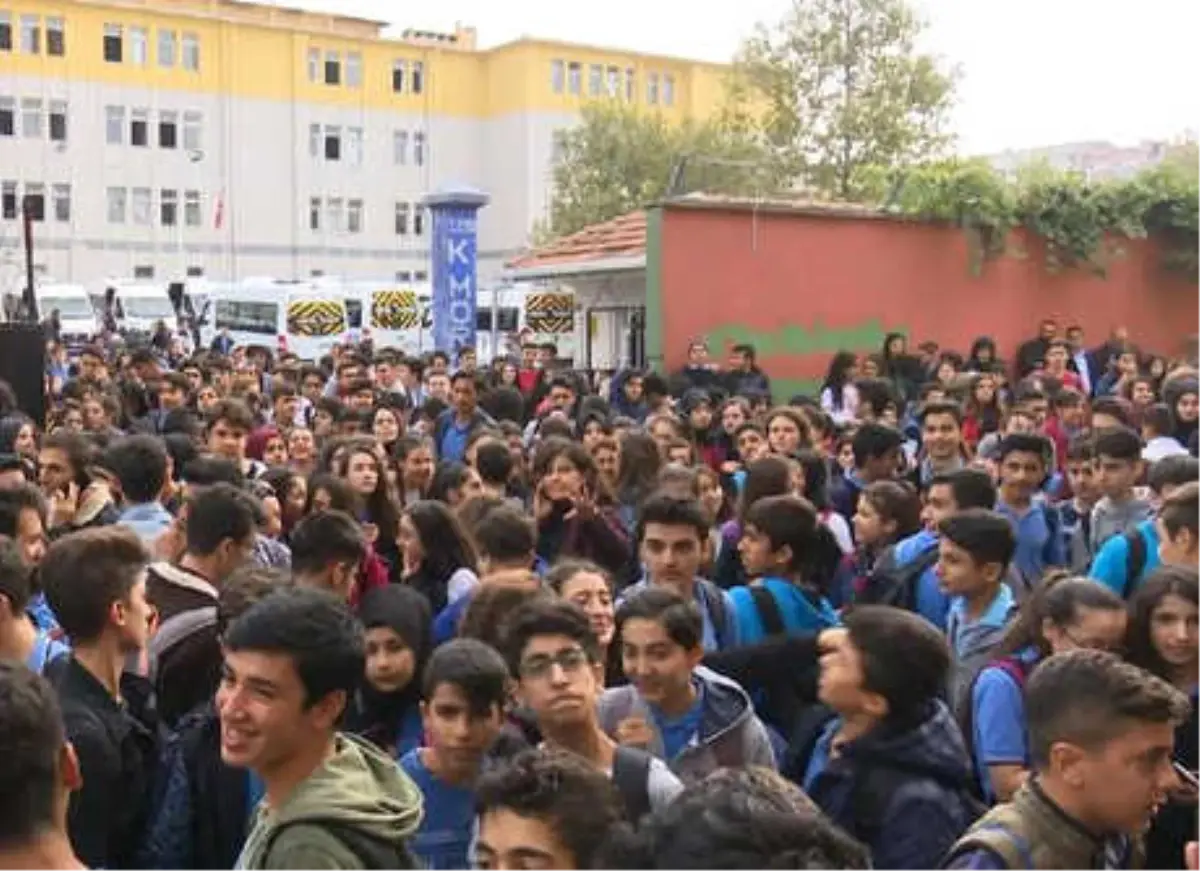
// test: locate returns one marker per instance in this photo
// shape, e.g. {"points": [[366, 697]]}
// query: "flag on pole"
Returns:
{"points": [[219, 211]]}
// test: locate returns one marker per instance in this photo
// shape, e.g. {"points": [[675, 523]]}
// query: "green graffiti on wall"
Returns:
{"points": [[797, 340]]}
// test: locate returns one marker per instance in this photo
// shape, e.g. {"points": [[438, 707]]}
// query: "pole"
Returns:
{"points": [[31, 306]]}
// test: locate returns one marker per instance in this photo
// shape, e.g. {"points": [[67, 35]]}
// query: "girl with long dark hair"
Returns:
{"points": [[439, 559], [839, 398]]}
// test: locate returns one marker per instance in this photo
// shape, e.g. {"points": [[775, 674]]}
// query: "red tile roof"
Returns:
{"points": [[621, 237]]}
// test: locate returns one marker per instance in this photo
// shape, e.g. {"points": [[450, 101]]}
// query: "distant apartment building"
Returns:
{"points": [[159, 138], [1095, 160]]}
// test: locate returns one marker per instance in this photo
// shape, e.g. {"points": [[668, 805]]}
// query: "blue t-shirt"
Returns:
{"points": [[443, 839], [819, 757], [931, 602], [45, 651], [1111, 565], [1040, 543], [998, 721], [454, 442], [256, 791], [801, 613], [677, 732], [411, 733]]}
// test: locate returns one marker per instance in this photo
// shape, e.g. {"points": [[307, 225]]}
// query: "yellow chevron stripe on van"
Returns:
{"points": [[315, 317]]}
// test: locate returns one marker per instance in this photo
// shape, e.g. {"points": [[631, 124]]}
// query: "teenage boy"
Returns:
{"points": [[1178, 519], [77, 500], [1024, 464], [20, 639], [1119, 468], [327, 549], [1101, 741], [139, 464], [876, 458], [454, 426], [465, 688], [38, 773], [330, 800], [1076, 512], [1157, 429], [95, 580], [889, 765], [544, 809], [229, 424], [974, 550], [941, 442], [23, 522], [555, 655], [672, 541], [689, 716]]}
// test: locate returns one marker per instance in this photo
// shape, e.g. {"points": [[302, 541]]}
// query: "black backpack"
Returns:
{"points": [[631, 777], [896, 585], [375, 854], [1135, 559]]}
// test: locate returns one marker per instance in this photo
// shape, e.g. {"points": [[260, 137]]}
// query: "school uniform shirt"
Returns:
{"points": [[998, 721], [972, 641], [801, 612], [1160, 447], [1037, 547], [931, 602], [1111, 565], [443, 840]]}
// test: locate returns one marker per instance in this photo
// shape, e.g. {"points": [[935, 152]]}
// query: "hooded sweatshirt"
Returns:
{"points": [[392, 721], [728, 734], [359, 788]]}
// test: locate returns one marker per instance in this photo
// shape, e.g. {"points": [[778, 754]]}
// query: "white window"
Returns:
{"points": [[614, 81], [166, 48], [314, 213], [168, 129], [557, 76], [333, 142], [400, 147], [314, 140], [418, 220], [402, 212], [168, 207], [193, 131], [31, 118], [333, 68], [6, 33], [419, 149], [314, 64], [668, 92], [139, 46], [418, 77], [61, 195], [652, 89], [399, 74], [595, 79], [116, 205], [114, 125], [630, 84], [191, 52], [353, 69], [140, 203], [35, 199], [139, 127], [191, 208], [31, 34], [8, 116], [354, 146], [354, 216], [574, 77], [335, 212], [58, 120], [112, 43], [56, 37]]}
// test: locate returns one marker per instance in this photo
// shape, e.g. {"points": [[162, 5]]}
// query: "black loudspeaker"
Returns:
{"points": [[23, 366]]}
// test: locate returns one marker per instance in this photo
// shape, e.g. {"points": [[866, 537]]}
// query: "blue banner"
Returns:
{"points": [[455, 240]]}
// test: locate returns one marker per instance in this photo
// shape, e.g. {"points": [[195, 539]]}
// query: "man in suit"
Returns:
{"points": [[1083, 361]]}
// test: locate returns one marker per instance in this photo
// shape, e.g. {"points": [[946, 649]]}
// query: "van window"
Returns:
{"points": [[507, 319], [247, 317]]}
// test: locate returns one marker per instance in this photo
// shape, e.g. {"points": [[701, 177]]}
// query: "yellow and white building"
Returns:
{"points": [[229, 139]]}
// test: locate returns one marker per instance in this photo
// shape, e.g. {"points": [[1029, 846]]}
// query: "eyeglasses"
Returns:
{"points": [[1093, 644], [569, 659]]}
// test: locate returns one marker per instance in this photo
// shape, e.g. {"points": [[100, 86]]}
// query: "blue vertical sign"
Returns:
{"points": [[454, 214]]}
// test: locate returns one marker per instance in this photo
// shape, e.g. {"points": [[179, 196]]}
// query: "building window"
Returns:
{"points": [[400, 147], [8, 200], [630, 84], [652, 89], [402, 212], [114, 125], [314, 141], [143, 272], [314, 213], [8, 116], [420, 275], [112, 43], [403, 275], [61, 194], [56, 37], [399, 74], [168, 207], [166, 48], [140, 206], [354, 146], [139, 127], [595, 79], [557, 76], [139, 46], [668, 90], [335, 213], [333, 68], [193, 127], [419, 149], [418, 221], [191, 52], [58, 120], [31, 118], [191, 208], [116, 205], [35, 200], [418, 76], [5, 31], [31, 34], [353, 69], [195, 272], [574, 77], [614, 81], [168, 129], [314, 64], [354, 216], [333, 143]]}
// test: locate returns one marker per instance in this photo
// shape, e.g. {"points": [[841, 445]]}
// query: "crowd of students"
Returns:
{"points": [[378, 612]]}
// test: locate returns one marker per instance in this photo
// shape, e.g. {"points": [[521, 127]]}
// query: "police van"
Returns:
{"points": [[301, 317]]}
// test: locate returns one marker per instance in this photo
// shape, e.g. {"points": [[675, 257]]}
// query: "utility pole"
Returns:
{"points": [[31, 306]]}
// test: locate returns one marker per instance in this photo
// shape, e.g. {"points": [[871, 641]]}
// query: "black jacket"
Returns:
{"points": [[117, 747], [188, 672]]}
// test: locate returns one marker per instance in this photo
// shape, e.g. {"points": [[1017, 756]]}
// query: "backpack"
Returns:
{"points": [[896, 585], [1135, 559], [718, 610], [1017, 669], [631, 777], [372, 852], [768, 611], [174, 631]]}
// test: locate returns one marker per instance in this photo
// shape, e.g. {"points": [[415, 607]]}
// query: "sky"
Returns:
{"points": [[1033, 72]]}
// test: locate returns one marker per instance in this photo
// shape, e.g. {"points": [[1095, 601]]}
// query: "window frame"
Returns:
{"points": [[141, 205], [31, 45], [168, 120], [168, 39], [192, 216], [116, 201], [60, 193], [139, 46], [354, 69], [35, 108], [332, 68], [168, 199], [189, 51], [10, 110], [139, 115], [56, 36], [58, 130]]}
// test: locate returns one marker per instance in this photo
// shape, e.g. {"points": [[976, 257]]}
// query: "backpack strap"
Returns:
{"points": [[805, 732], [1054, 529], [175, 630], [714, 603], [1135, 559], [768, 610], [631, 777], [1013, 849]]}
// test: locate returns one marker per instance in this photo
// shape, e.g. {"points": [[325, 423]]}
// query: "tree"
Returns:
{"points": [[620, 158], [840, 86]]}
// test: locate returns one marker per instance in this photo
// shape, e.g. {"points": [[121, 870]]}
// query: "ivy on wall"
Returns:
{"points": [[1081, 223]]}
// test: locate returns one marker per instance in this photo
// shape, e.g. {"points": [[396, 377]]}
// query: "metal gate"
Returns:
{"points": [[615, 337]]}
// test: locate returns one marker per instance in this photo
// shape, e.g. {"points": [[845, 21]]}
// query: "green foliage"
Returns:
{"points": [[1080, 223]]}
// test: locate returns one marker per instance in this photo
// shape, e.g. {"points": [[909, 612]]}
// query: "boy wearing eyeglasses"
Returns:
{"points": [[555, 655]]}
